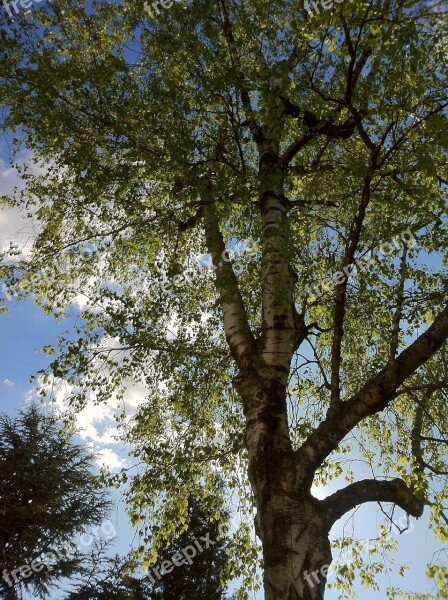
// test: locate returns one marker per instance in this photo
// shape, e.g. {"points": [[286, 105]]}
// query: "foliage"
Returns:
{"points": [[202, 578], [146, 130], [48, 494], [108, 578]]}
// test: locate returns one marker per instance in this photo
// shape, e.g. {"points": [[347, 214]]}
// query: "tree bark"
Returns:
{"points": [[290, 523], [296, 548], [296, 551]]}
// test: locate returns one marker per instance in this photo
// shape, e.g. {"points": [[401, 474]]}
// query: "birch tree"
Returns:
{"points": [[246, 202]]}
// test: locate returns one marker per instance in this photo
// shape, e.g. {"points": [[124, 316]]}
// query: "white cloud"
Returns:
{"points": [[16, 230], [172, 329], [133, 397], [8, 383], [16, 226], [80, 302], [110, 459], [96, 423]]}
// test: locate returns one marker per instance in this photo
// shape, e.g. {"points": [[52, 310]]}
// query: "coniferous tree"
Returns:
{"points": [[198, 576], [106, 578], [48, 494]]}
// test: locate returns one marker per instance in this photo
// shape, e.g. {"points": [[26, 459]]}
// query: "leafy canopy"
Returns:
{"points": [[137, 124]]}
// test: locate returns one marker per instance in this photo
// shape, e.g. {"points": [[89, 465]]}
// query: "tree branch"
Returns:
{"points": [[323, 126], [341, 292], [416, 440], [373, 397], [236, 62], [416, 437], [236, 326], [295, 147], [371, 490], [394, 341]]}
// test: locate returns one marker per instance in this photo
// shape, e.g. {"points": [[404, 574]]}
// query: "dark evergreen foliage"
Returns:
{"points": [[48, 494]]}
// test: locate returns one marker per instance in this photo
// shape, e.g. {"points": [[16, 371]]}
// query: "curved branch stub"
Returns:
{"points": [[371, 490]]}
